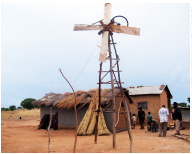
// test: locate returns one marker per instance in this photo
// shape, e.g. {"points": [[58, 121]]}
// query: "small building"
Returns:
{"points": [[151, 99], [64, 105], [185, 111]]}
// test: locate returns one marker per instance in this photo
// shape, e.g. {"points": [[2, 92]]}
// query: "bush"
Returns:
{"points": [[12, 107], [5, 109]]}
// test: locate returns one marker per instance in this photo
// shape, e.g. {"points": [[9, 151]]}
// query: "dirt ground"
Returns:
{"points": [[23, 137]]}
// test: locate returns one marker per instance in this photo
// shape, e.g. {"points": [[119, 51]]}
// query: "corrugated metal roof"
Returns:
{"points": [[141, 90]]}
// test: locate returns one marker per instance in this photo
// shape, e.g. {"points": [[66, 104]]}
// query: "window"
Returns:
{"points": [[143, 105]]}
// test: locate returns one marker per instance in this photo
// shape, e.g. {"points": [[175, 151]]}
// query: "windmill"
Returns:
{"points": [[106, 28]]}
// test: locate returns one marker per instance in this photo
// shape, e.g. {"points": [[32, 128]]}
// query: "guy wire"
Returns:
{"points": [[86, 63]]}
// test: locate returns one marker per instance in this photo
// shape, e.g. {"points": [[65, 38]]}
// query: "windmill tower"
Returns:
{"points": [[107, 27]]}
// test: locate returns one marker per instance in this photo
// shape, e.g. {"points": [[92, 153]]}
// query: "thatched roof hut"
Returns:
{"points": [[67, 100], [64, 105]]}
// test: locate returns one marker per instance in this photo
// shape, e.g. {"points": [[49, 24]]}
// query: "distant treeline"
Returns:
{"points": [[26, 104]]}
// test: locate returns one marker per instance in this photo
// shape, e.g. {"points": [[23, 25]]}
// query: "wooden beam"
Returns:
{"points": [[87, 27], [125, 29], [107, 14], [104, 47], [104, 42]]}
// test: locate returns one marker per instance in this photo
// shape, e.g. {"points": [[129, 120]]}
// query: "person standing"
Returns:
{"points": [[177, 116], [163, 116], [149, 120], [134, 121], [141, 116]]}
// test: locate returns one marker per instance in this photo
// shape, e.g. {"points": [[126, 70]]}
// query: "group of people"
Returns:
{"points": [[163, 116]]}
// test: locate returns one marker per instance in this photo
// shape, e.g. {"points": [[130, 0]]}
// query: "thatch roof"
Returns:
{"points": [[67, 100]]}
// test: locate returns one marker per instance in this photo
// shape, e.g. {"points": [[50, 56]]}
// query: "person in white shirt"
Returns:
{"points": [[163, 116]]}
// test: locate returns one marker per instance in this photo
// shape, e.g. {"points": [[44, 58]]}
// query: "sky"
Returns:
{"points": [[38, 38]]}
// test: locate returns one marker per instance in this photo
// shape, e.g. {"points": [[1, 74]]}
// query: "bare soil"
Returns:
{"points": [[24, 137]]}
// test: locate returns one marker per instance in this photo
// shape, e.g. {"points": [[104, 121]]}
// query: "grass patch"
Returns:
{"points": [[33, 114]]}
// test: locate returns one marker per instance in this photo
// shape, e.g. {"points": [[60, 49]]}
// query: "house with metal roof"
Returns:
{"points": [[151, 99], [185, 111]]}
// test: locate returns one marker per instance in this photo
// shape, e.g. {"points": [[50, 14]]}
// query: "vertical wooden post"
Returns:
{"points": [[75, 108], [129, 122], [97, 117], [49, 138], [113, 95]]}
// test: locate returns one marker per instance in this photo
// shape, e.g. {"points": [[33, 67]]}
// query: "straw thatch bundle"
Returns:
{"points": [[102, 127], [87, 125], [86, 119], [93, 119]]}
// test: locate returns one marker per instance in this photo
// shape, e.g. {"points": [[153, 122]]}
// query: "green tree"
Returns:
{"points": [[2, 109], [188, 99], [12, 107], [183, 104], [5, 109], [27, 103]]}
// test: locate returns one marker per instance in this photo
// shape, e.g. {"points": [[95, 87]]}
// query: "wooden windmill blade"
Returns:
{"points": [[87, 27], [105, 35], [114, 28], [125, 29]]}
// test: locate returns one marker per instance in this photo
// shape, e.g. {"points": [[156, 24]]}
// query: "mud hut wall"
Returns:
{"points": [[122, 121], [122, 125], [109, 119], [153, 105], [163, 99], [66, 117]]}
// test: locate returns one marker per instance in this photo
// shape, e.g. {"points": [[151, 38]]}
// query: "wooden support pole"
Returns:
{"points": [[75, 108], [99, 106], [129, 128], [113, 95], [182, 137], [49, 138]]}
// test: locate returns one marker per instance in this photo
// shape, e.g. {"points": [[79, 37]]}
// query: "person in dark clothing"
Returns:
{"points": [[177, 116], [141, 116], [155, 126]]}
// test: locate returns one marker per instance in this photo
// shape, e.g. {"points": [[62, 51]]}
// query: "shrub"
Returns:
{"points": [[12, 107]]}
